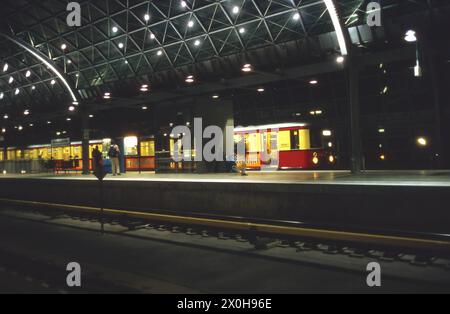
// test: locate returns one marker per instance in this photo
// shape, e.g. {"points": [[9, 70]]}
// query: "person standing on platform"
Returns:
{"points": [[97, 159], [114, 154]]}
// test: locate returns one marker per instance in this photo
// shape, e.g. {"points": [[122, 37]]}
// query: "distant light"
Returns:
{"points": [[159, 53], [33, 87], [261, 90], [183, 4], [26, 112], [197, 42], [3, 130], [314, 82], [6, 117], [381, 131], [236, 10], [327, 133], [241, 30], [69, 61], [17, 92], [340, 59], [91, 116], [383, 157], [247, 68], [20, 128], [152, 36], [330, 145], [215, 96], [144, 108], [2, 95], [69, 119], [298, 114], [5, 67], [115, 29], [147, 17], [331, 159], [49, 122], [72, 108], [191, 24], [28, 74], [53, 82], [75, 103], [107, 95], [31, 125], [411, 36], [190, 79], [63, 47], [422, 141], [11, 80], [121, 45], [296, 16]]}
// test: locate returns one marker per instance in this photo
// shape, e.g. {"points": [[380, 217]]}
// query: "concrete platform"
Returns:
{"points": [[407, 200]]}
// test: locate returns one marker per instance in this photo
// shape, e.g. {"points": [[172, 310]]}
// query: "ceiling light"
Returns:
{"points": [[236, 10], [5, 67], [17, 92], [190, 79], [215, 96], [2, 95], [247, 68], [121, 45], [147, 17], [191, 24], [410, 36], [72, 108], [115, 29], [260, 90], [183, 4], [33, 87], [313, 82], [241, 30], [159, 53], [53, 82], [152, 36], [296, 16], [422, 141], [63, 47], [11, 79], [340, 59], [197, 43], [26, 112], [5, 117], [144, 108], [28, 74]]}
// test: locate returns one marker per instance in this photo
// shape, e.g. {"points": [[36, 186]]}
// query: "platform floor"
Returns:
{"points": [[375, 178]]}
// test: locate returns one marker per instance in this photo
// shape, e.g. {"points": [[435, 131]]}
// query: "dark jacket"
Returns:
{"points": [[113, 153]]}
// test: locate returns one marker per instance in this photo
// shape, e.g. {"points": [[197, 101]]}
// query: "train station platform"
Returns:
{"points": [[400, 200]]}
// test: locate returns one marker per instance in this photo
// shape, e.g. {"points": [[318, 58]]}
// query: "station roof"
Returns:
{"points": [[124, 44]]}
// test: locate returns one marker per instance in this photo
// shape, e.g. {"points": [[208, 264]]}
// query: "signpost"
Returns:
{"points": [[100, 173]]}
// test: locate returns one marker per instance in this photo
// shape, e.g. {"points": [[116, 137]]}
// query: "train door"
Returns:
{"points": [[269, 151]]}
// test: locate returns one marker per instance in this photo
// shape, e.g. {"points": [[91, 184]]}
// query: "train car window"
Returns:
{"points": [[285, 141], [316, 139]]}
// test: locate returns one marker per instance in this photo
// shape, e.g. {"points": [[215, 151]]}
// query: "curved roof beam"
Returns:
{"points": [[337, 26], [38, 55]]}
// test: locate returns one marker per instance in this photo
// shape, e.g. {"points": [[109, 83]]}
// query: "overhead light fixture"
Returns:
{"points": [[422, 141], [215, 96], [144, 108], [337, 26], [191, 24], [72, 108], [314, 82], [6, 117], [63, 47], [107, 96], [144, 88], [121, 45], [26, 112], [190, 79], [236, 10], [340, 59], [296, 16], [152, 36], [197, 43], [183, 4], [17, 92], [33, 87], [69, 119], [115, 29], [11, 80], [147, 17], [2, 95], [261, 90], [247, 68], [5, 67], [28, 74], [91, 116], [159, 53], [53, 82], [327, 133], [242, 30], [410, 36]]}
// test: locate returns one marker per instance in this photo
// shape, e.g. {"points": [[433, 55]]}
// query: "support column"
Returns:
{"points": [[85, 142], [215, 113], [355, 127]]}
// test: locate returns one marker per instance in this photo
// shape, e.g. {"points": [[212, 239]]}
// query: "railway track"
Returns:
{"points": [[421, 248]]}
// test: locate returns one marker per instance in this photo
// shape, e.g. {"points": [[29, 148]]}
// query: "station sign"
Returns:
{"points": [[61, 142]]}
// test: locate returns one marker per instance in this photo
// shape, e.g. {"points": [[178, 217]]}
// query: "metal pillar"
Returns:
{"points": [[355, 128], [85, 142]]}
